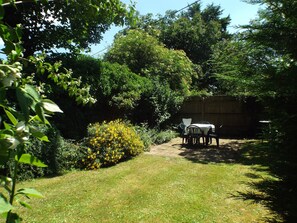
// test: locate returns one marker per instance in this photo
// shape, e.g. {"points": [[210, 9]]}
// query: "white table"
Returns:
{"points": [[204, 127]]}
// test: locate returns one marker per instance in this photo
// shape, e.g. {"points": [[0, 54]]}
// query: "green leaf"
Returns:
{"points": [[29, 192], [1, 10], [25, 102], [40, 112], [32, 92], [39, 135], [36, 118], [24, 204], [5, 206], [51, 106], [29, 159], [11, 117], [7, 126]]}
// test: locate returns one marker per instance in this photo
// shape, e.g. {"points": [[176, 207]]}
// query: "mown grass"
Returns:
{"points": [[152, 189]]}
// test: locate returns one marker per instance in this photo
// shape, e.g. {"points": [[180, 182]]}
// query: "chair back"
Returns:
{"points": [[187, 121], [216, 131], [182, 127], [194, 130]]}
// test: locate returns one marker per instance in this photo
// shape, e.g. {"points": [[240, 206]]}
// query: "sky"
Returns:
{"points": [[240, 12]]}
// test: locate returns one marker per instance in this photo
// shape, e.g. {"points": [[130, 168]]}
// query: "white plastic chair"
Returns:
{"points": [[185, 123]]}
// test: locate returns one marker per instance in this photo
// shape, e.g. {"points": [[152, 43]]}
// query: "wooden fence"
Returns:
{"points": [[239, 118]]}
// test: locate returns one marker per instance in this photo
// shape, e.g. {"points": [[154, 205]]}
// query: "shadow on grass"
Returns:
{"points": [[278, 194], [276, 191]]}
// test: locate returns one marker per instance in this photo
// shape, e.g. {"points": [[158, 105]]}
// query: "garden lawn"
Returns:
{"points": [[149, 188]]}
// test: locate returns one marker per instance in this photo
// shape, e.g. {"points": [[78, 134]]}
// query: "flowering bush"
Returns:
{"points": [[111, 143]]}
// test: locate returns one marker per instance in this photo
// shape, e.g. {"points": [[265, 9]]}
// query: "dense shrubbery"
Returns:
{"points": [[110, 143], [106, 145], [120, 94], [58, 154]]}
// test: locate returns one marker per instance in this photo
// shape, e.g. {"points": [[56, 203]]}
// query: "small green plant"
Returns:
{"points": [[165, 136], [110, 143], [146, 134]]}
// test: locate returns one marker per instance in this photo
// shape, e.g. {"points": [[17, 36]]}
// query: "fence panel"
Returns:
{"points": [[239, 118]]}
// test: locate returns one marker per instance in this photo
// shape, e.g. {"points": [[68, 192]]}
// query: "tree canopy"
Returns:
{"points": [[265, 52], [263, 62], [146, 56], [72, 25], [193, 31], [275, 26]]}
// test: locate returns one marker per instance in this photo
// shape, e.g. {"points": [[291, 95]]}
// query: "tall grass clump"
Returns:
{"points": [[112, 142]]}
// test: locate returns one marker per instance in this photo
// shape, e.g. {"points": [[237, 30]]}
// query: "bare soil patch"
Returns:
{"points": [[227, 152]]}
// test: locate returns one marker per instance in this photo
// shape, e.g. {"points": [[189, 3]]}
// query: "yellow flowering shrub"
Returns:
{"points": [[111, 143]]}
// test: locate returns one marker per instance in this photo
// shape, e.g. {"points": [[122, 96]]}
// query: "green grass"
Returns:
{"points": [[150, 189]]}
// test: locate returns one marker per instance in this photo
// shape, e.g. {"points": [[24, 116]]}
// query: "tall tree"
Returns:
{"points": [[276, 26], [169, 74], [268, 70], [276, 30], [195, 30], [72, 25], [146, 56]]}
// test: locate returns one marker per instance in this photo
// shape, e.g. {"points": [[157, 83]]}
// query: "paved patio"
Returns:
{"points": [[228, 152]]}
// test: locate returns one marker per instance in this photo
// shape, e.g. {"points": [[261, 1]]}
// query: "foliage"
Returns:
{"points": [[240, 69], [194, 31], [146, 134], [276, 21], [58, 154], [18, 126], [71, 25], [137, 50], [168, 74], [111, 143], [65, 82], [175, 68], [120, 93], [266, 64], [158, 104], [24, 108], [145, 56], [83, 67], [165, 136], [120, 87]]}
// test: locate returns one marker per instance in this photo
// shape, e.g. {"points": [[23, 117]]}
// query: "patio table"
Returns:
{"points": [[204, 127]]}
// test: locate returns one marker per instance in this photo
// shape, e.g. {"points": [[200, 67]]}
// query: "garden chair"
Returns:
{"points": [[195, 133], [213, 135], [183, 128]]}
